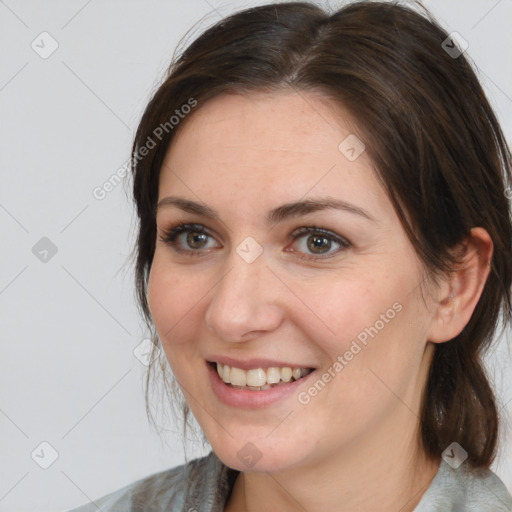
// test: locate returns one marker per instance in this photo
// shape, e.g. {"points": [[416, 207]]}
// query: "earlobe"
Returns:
{"points": [[459, 294]]}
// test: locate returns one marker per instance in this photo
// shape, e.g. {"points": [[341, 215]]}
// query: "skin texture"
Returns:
{"points": [[243, 156]]}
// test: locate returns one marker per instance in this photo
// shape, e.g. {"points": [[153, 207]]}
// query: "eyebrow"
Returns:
{"points": [[276, 215]]}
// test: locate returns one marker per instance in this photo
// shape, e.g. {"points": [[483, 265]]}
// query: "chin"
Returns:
{"points": [[259, 453]]}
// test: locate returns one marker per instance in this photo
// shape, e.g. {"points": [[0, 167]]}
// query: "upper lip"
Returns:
{"points": [[250, 364]]}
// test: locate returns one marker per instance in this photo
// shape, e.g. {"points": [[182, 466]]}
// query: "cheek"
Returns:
{"points": [[174, 300], [371, 329], [335, 309], [372, 318]]}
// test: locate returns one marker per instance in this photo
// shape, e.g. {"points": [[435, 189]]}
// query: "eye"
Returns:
{"points": [[314, 242], [187, 238], [318, 242]]}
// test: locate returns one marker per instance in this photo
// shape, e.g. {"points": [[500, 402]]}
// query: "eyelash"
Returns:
{"points": [[171, 234]]}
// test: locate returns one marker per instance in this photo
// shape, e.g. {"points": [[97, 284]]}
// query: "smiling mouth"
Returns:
{"points": [[258, 379]]}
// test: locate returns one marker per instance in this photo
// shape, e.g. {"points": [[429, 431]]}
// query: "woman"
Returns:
{"points": [[324, 252]]}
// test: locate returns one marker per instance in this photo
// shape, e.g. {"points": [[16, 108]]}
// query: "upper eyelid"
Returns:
{"points": [[183, 227], [304, 230], [190, 226]]}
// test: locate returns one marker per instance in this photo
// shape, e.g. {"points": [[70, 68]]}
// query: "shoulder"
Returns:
{"points": [[465, 488], [206, 479]]}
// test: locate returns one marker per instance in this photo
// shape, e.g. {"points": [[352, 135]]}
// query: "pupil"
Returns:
{"points": [[318, 241]]}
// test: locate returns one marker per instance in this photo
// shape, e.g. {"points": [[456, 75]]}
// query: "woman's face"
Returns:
{"points": [[268, 277]]}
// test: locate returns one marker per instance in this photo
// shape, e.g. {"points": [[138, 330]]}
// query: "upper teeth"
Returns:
{"points": [[258, 377]]}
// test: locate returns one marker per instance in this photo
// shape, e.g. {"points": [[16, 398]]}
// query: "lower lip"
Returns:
{"points": [[245, 399]]}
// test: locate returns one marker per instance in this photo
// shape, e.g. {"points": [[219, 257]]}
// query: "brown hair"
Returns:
{"points": [[428, 128]]}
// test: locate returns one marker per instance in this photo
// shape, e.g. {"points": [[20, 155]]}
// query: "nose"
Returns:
{"points": [[245, 302]]}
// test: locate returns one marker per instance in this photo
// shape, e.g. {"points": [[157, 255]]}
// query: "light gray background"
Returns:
{"points": [[68, 326]]}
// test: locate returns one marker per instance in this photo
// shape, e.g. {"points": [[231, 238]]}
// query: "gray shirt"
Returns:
{"points": [[203, 485]]}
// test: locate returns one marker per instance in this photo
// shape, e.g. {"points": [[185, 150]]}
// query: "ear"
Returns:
{"points": [[459, 294]]}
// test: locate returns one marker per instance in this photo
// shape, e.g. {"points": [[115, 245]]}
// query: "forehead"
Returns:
{"points": [[280, 121], [276, 146]]}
